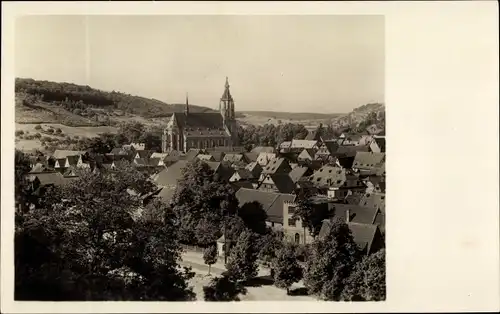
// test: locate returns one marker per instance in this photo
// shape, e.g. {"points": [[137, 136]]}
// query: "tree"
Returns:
{"points": [[242, 263], [332, 260], [210, 256], [253, 216], [304, 209], [223, 288], [367, 281], [269, 245], [22, 188], [90, 242], [286, 269], [38, 127]]}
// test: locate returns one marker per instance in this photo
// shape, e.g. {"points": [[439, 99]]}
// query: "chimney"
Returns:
{"points": [[347, 216]]}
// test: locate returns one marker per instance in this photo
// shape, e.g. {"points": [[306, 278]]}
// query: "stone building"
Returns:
{"points": [[202, 129]]}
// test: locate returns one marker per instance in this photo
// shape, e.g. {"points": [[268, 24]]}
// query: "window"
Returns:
{"points": [[291, 209], [291, 222], [297, 238]]}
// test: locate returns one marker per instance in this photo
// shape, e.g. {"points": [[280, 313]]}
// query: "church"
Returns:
{"points": [[186, 130]]}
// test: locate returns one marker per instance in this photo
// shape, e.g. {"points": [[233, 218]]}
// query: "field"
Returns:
{"points": [[309, 120], [80, 131]]}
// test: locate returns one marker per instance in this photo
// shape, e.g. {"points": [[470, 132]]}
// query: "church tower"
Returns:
{"points": [[226, 105], [226, 108]]}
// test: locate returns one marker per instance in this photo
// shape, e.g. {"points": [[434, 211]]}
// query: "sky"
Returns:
{"points": [[320, 63]]}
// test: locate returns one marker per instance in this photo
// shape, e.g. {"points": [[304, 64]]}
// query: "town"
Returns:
{"points": [[118, 221]]}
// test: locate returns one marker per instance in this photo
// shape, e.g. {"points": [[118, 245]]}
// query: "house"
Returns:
{"points": [[205, 157], [276, 165], [235, 159], [250, 157], [145, 154], [217, 155], [377, 145], [285, 146], [368, 160], [192, 153], [162, 156], [264, 158], [278, 182], [307, 155], [299, 145], [352, 139], [328, 179], [313, 135], [170, 176], [39, 180], [255, 168], [272, 203], [242, 175], [373, 200], [300, 173], [368, 237], [38, 168], [138, 146]]}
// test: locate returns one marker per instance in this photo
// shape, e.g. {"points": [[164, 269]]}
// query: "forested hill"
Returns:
{"points": [[82, 97]]}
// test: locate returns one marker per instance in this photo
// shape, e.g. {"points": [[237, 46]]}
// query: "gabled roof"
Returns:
{"points": [[170, 176], [328, 176], [251, 156], [241, 184], [274, 165], [251, 166], [307, 153], [159, 155], [263, 149], [217, 155], [166, 194], [264, 158], [357, 213], [73, 160], [199, 121], [381, 143], [233, 158], [297, 173], [283, 182], [144, 153], [303, 144], [49, 178], [40, 168], [312, 136], [244, 174], [205, 157], [59, 153], [368, 160], [192, 153], [373, 200], [272, 203]]}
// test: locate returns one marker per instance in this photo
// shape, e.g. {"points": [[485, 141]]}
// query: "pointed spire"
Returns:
{"points": [[187, 103], [227, 94]]}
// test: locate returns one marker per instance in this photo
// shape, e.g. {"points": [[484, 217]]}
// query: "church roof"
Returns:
{"points": [[202, 120]]}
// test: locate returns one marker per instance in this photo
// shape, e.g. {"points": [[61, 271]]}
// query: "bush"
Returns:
{"points": [[19, 132], [38, 127], [223, 289], [38, 135], [58, 131], [51, 131]]}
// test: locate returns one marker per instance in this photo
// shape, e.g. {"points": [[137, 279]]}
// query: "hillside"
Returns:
{"points": [[78, 98], [370, 117]]}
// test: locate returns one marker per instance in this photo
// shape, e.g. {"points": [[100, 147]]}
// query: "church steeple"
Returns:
{"points": [[226, 105], [187, 104]]}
